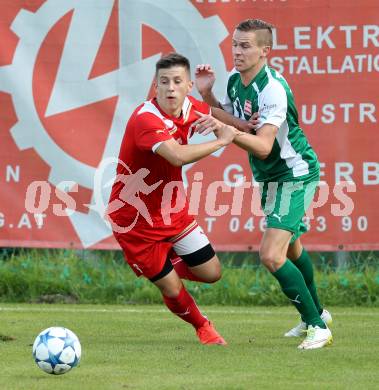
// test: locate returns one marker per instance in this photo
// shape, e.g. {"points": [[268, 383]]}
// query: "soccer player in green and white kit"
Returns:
{"points": [[282, 161]]}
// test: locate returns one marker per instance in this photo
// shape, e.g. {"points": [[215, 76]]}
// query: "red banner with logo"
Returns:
{"points": [[72, 72]]}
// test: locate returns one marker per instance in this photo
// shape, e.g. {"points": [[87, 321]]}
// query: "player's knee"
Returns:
{"points": [[214, 271], [214, 275], [170, 288], [171, 291], [269, 257]]}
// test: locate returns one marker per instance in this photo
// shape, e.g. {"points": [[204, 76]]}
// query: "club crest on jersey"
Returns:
{"points": [[247, 107], [170, 126]]}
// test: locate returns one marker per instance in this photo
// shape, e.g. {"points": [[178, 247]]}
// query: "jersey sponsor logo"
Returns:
{"points": [[266, 108]]}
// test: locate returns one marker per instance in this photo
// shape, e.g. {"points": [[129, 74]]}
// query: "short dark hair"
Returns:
{"points": [[264, 35], [172, 59]]}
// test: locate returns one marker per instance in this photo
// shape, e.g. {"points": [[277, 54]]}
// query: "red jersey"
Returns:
{"points": [[147, 185]]}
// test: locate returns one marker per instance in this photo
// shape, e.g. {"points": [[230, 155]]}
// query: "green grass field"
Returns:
{"points": [[146, 347]]}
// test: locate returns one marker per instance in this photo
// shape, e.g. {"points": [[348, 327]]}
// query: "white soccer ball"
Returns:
{"points": [[56, 350]]}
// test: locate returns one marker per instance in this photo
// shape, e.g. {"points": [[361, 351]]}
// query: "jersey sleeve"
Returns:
{"points": [[227, 103], [151, 132], [273, 105]]}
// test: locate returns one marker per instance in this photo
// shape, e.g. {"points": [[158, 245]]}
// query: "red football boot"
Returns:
{"points": [[207, 334]]}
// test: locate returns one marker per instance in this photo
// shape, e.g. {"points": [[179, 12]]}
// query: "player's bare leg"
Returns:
{"points": [[273, 248], [294, 250], [170, 285], [209, 272]]}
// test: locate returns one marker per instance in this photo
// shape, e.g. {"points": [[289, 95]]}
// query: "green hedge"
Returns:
{"points": [[102, 277]]}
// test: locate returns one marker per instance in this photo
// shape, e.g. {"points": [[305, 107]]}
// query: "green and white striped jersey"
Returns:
{"points": [[269, 94]]}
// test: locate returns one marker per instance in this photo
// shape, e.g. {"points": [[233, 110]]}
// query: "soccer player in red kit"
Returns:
{"points": [[148, 208]]}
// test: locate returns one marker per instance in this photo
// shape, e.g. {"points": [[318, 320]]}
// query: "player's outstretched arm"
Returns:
{"points": [[179, 155], [260, 145], [204, 81]]}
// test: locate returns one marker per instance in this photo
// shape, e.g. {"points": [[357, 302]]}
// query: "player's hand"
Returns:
{"points": [[250, 125], [254, 121], [226, 134], [204, 78], [206, 124]]}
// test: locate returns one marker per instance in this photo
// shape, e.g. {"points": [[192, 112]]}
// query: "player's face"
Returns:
{"points": [[172, 85], [247, 55]]}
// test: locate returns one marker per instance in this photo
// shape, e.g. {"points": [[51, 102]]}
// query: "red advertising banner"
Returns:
{"points": [[72, 72]]}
